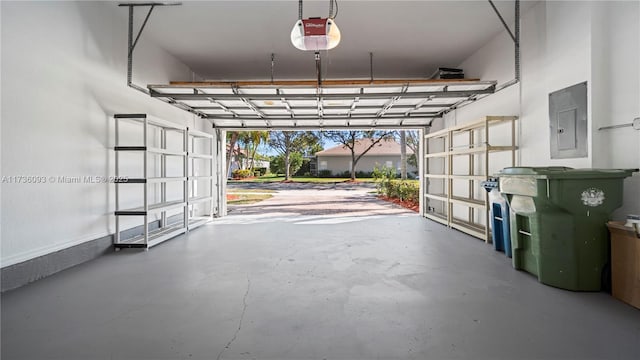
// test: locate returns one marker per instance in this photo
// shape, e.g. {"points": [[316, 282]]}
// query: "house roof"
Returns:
{"points": [[384, 147]]}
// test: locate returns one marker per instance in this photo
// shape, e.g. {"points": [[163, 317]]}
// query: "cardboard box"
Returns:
{"points": [[625, 263]]}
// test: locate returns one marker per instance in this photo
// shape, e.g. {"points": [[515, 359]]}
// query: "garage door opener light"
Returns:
{"points": [[315, 33]]}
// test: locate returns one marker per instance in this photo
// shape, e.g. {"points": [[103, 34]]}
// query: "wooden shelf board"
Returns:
{"points": [[436, 176], [438, 134], [479, 204], [471, 229], [439, 197], [501, 148], [437, 217], [440, 154], [482, 149], [468, 177], [487, 120], [325, 83], [477, 149]]}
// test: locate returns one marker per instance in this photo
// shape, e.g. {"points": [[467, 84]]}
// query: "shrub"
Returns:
{"points": [[324, 173], [295, 162], [404, 190], [241, 173], [387, 185], [382, 177], [276, 165], [262, 170], [364, 174], [304, 168]]}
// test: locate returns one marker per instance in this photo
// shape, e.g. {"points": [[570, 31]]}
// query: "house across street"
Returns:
{"points": [[337, 160]]}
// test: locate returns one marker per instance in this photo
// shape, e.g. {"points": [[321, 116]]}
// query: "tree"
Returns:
{"points": [[232, 138], [277, 165], [351, 139], [403, 155], [410, 139], [251, 141], [413, 142], [287, 142]]}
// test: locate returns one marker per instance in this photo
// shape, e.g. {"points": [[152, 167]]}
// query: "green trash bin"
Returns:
{"points": [[558, 222]]}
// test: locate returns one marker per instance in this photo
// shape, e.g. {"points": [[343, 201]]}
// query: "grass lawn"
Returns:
{"points": [[245, 191], [246, 197], [276, 178]]}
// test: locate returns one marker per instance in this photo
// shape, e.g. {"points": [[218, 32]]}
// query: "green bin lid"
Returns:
{"points": [[561, 172]]}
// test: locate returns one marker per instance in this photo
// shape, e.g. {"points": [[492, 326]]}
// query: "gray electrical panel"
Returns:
{"points": [[568, 122]]}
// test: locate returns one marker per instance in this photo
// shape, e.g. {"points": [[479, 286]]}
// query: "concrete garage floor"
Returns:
{"points": [[312, 287]]}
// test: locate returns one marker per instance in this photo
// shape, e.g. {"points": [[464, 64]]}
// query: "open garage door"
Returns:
{"points": [[300, 105]]}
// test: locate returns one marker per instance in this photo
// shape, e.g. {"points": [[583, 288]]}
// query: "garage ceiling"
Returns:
{"points": [[395, 45], [234, 40]]}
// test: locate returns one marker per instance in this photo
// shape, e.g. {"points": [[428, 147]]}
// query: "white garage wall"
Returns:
{"points": [[562, 44], [616, 93], [1, 173], [63, 76]]}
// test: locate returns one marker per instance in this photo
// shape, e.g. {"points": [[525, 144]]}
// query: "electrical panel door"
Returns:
{"points": [[568, 122]]}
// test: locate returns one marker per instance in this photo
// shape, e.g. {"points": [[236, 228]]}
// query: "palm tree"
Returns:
{"points": [[232, 137], [257, 138], [251, 141]]}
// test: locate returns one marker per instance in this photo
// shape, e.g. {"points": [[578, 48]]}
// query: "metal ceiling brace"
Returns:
{"points": [[371, 66], [319, 98], [515, 37], [318, 68], [273, 62], [132, 43]]}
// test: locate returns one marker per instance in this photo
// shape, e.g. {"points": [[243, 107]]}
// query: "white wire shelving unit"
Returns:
{"points": [[200, 174], [157, 225]]}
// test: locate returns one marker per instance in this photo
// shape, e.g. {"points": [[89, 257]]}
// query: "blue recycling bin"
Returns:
{"points": [[501, 233], [499, 217]]}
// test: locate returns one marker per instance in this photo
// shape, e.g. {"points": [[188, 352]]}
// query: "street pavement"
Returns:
{"points": [[312, 199]]}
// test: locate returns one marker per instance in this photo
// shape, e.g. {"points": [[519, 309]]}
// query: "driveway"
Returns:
{"points": [[334, 199]]}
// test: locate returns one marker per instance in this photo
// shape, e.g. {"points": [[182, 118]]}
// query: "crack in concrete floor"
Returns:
{"points": [[244, 310]]}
